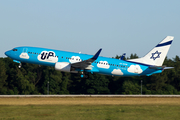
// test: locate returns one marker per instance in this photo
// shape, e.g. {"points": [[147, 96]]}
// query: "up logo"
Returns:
{"points": [[48, 56]]}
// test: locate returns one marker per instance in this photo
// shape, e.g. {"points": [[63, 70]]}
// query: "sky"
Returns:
{"points": [[116, 26]]}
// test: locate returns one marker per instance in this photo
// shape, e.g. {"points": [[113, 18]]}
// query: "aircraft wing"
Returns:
{"points": [[86, 64]]}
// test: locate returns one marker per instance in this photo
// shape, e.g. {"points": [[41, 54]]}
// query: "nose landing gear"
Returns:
{"points": [[18, 62], [20, 65]]}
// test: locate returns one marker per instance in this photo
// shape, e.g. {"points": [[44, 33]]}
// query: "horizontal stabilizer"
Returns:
{"points": [[160, 67], [157, 67], [168, 68]]}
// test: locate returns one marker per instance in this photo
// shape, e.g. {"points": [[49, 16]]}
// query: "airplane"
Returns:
{"points": [[72, 62]]}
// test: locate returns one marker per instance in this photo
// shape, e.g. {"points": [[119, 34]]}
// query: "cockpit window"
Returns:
{"points": [[14, 49]]}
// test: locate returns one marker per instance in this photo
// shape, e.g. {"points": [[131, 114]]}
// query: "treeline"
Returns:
{"points": [[35, 79]]}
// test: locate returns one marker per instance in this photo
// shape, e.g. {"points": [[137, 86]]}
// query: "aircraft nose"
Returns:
{"points": [[7, 53]]}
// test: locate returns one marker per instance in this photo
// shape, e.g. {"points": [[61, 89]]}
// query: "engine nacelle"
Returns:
{"points": [[63, 66]]}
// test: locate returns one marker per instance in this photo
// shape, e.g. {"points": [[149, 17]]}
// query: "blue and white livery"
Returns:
{"points": [[74, 62]]}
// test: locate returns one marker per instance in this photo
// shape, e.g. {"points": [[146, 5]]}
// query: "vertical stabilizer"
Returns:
{"points": [[157, 55]]}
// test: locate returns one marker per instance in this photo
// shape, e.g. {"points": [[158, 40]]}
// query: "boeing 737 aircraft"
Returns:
{"points": [[72, 62]]}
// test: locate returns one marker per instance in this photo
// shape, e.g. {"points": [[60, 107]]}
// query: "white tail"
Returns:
{"points": [[157, 55]]}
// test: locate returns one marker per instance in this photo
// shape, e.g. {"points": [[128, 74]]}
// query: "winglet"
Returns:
{"points": [[97, 54], [122, 57]]}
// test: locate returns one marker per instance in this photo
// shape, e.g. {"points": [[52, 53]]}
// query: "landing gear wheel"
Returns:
{"points": [[83, 75], [20, 65]]}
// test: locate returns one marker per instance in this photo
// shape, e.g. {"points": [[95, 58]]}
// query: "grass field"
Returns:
{"points": [[89, 108]]}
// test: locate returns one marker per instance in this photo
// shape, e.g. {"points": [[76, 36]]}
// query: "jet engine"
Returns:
{"points": [[65, 67]]}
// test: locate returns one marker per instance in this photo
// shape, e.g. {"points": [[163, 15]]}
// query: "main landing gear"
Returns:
{"points": [[83, 75]]}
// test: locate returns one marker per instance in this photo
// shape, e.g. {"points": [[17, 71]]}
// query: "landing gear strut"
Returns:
{"points": [[18, 62], [20, 65], [83, 75]]}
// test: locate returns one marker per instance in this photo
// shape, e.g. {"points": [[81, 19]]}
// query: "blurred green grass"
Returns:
{"points": [[89, 112]]}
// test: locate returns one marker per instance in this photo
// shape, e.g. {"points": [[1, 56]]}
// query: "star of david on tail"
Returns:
{"points": [[155, 55]]}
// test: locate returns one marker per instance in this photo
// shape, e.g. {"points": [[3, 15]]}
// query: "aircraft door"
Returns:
{"points": [[25, 50], [24, 54]]}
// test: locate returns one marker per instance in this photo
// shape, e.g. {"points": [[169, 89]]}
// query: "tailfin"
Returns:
{"points": [[157, 55]]}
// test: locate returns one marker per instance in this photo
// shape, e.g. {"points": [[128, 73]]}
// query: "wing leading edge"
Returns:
{"points": [[86, 64]]}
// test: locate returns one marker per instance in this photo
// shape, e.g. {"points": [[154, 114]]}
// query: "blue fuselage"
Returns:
{"points": [[102, 65]]}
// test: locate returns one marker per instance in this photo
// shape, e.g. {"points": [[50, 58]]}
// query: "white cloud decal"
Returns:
{"points": [[135, 69], [24, 55], [117, 72], [74, 59], [103, 64], [48, 57]]}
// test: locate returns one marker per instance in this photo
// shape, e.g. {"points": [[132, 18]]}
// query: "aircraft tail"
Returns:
{"points": [[157, 55]]}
